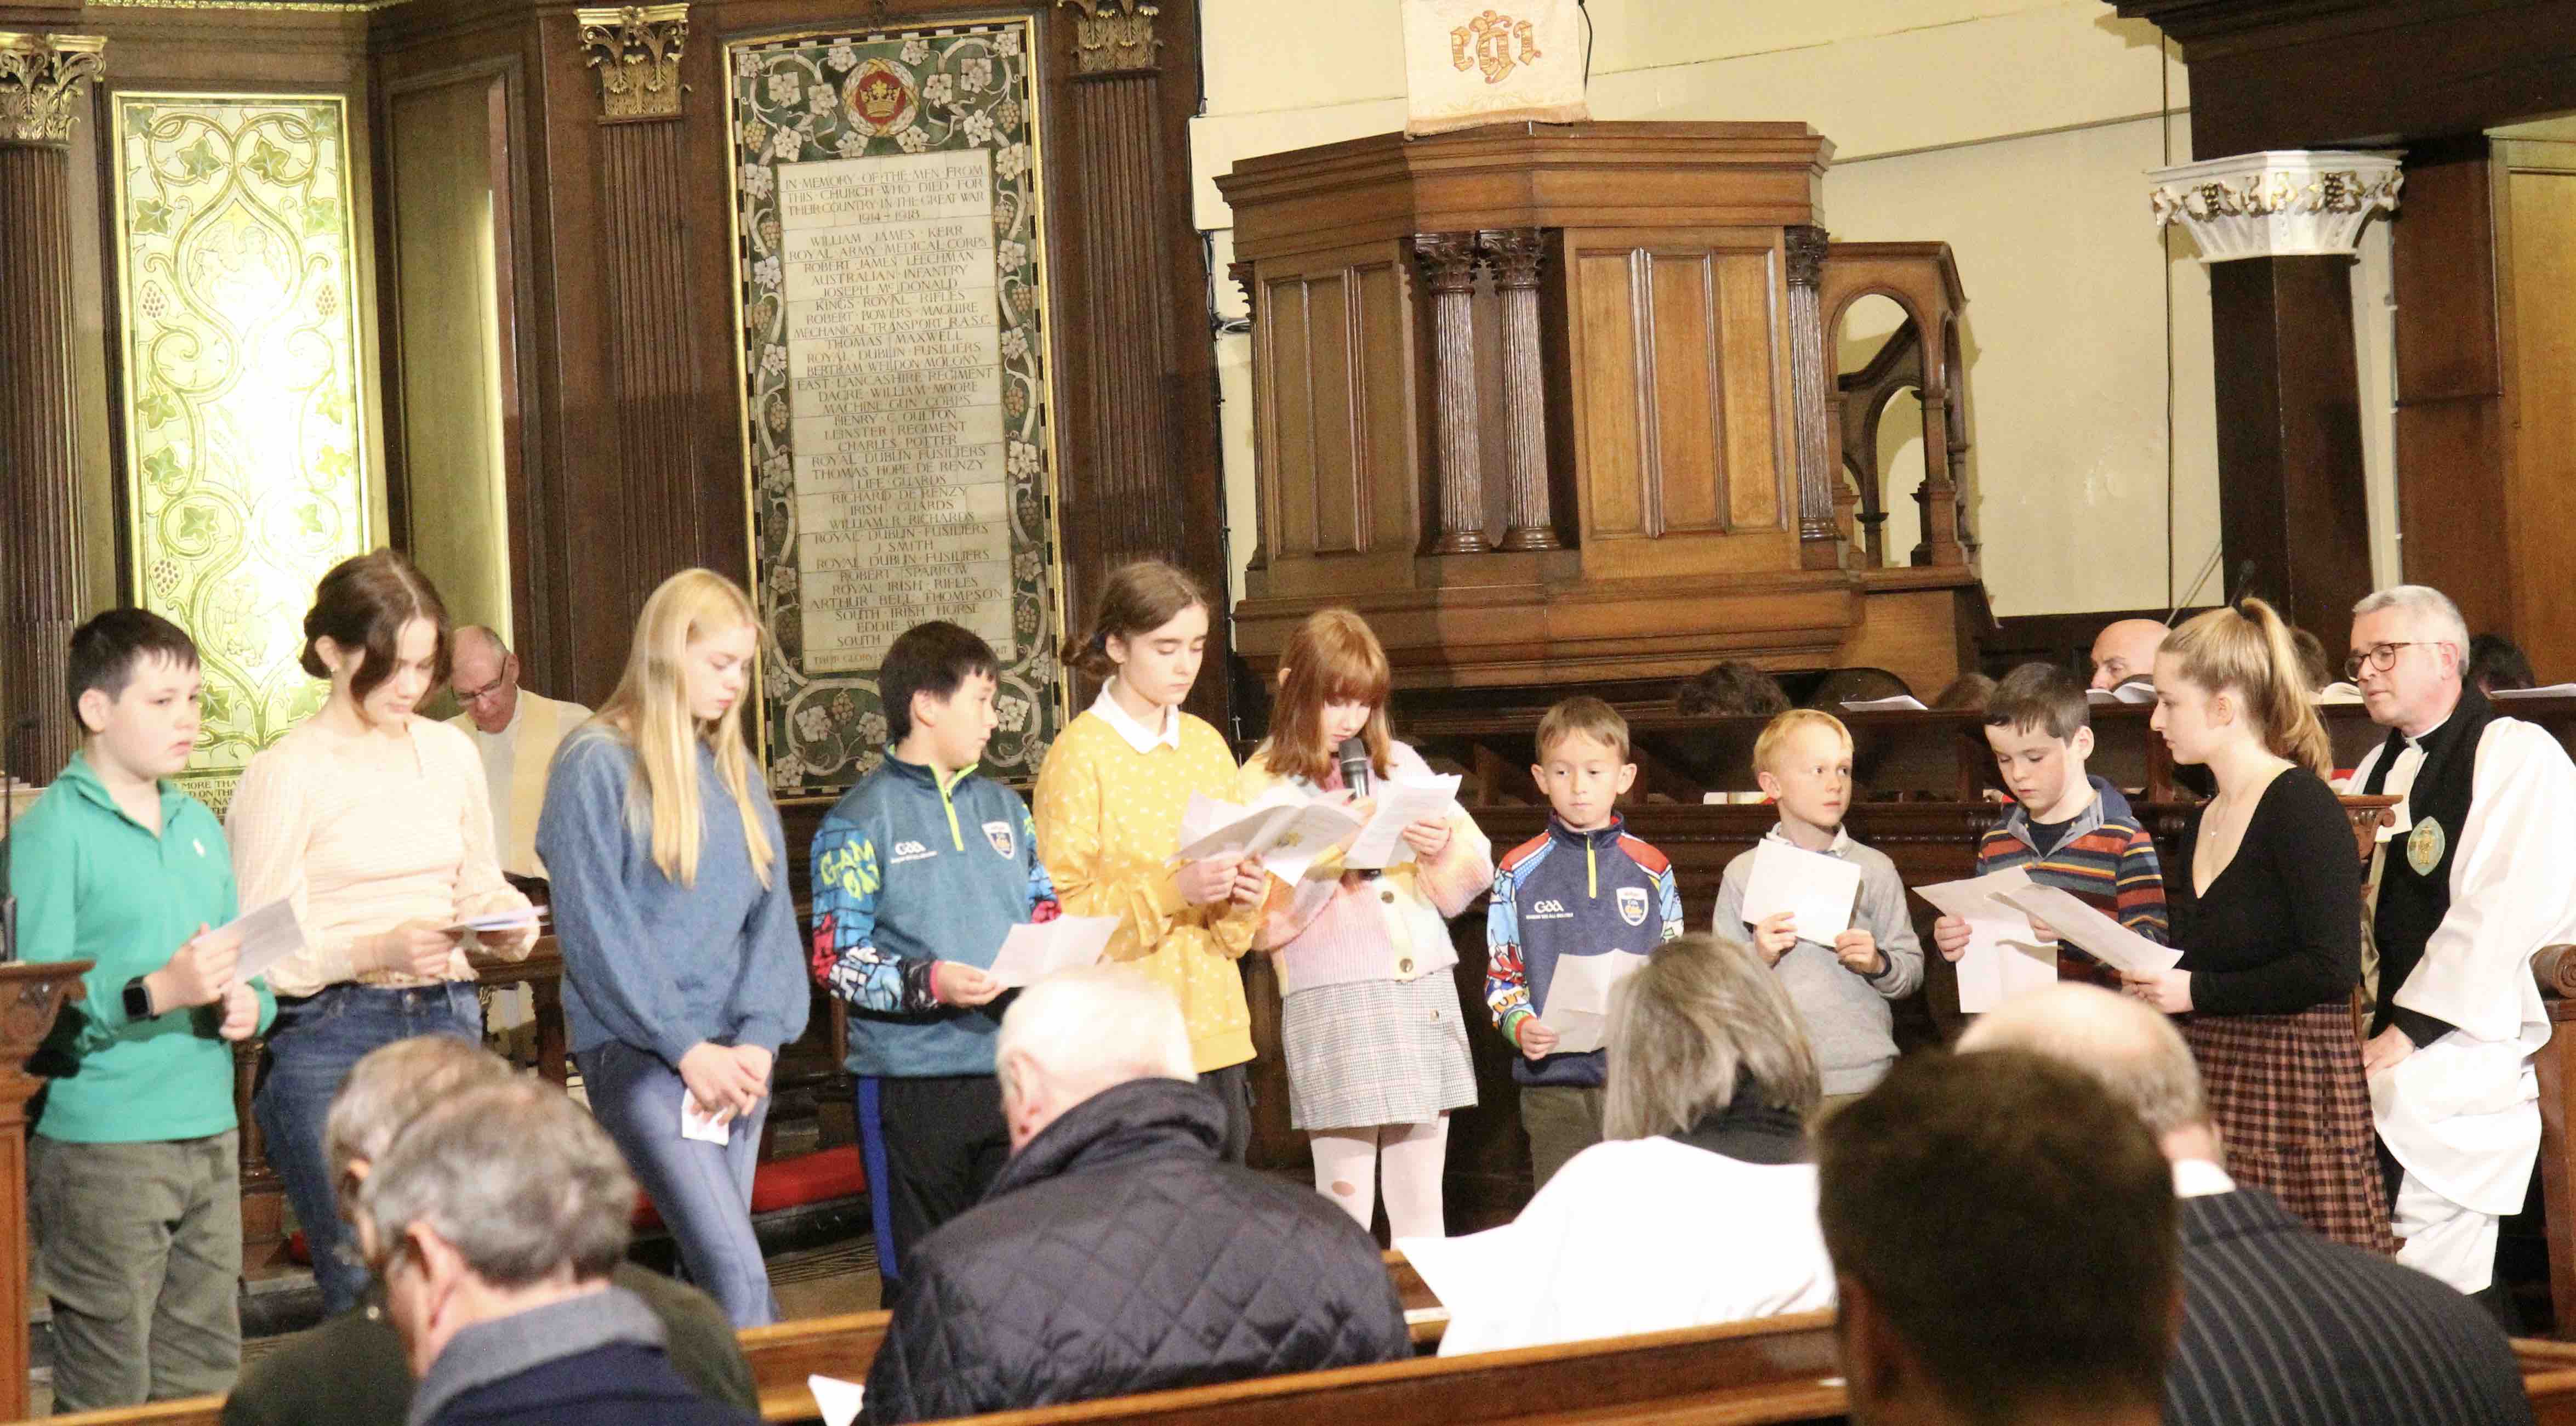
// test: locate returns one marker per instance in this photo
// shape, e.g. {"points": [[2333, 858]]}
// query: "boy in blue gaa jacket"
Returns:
{"points": [[1583, 888], [919, 874]]}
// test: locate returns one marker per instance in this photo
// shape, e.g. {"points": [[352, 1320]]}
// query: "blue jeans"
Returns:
{"points": [[702, 1190], [310, 1048]]}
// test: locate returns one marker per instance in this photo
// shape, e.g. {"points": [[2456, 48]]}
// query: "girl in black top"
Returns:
{"points": [[2265, 893]]}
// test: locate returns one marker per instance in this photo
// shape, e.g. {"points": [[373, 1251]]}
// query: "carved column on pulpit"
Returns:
{"points": [[1810, 379], [635, 51], [1448, 262], [1241, 274], [1515, 255], [43, 79]]}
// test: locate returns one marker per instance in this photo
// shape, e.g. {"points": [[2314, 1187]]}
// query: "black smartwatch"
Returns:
{"points": [[138, 1000]]}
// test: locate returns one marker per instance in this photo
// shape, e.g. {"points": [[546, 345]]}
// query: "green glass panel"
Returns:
{"points": [[246, 462]]}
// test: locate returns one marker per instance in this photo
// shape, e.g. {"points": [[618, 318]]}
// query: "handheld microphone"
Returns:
{"points": [[1354, 758]]}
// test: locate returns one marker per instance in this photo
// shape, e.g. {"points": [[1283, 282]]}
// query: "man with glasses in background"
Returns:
{"points": [[517, 732], [2476, 873]]}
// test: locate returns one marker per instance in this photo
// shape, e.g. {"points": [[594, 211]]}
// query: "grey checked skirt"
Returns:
{"points": [[1376, 1052]]}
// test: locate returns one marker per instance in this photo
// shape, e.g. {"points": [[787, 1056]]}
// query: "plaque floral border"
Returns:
{"points": [[790, 99], [243, 425]]}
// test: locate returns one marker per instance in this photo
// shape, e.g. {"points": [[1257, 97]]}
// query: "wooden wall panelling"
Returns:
{"points": [[1140, 474], [2450, 381], [2537, 257], [409, 110]]}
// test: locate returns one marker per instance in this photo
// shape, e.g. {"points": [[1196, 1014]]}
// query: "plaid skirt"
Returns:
{"points": [[2293, 1114], [1374, 1052]]}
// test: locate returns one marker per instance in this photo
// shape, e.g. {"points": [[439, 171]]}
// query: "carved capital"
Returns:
{"points": [[1515, 255], [2286, 203], [1448, 260], [1111, 36], [42, 79], [1240, 273], [636, 49], [1807, 246]]}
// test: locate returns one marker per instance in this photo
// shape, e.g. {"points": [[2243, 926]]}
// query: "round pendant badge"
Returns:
{"points": [[2424, 847]]}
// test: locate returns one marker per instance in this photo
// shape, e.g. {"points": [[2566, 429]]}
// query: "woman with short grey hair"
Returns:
{"points": [[1699, 1207]]}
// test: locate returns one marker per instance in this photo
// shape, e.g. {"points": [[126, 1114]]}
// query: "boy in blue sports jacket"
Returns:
{"points": [[920, 872], [1584, 887]]}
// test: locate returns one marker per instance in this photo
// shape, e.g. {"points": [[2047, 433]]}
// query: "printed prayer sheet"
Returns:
{"points": [[268, 935], [1578, 998], [1400, 804], [1285, 837], [2004, 956], [2107, 940], [697, 1123], [1033, 950], [1815, 889], [839, 1400], [1900, 703]]}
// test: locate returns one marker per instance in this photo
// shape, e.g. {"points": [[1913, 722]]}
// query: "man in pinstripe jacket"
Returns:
{"points": [[2280, 1326]]}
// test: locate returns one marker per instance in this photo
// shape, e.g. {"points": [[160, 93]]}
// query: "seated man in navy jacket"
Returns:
{"points": [[1117, 1252], [493, 1222], [2280, 1326]]}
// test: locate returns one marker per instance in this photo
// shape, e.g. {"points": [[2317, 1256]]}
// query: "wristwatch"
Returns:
{"points": [[138, 1000]]}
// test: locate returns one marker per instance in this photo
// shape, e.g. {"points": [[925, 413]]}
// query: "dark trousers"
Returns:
{"points": [[1233, 1085], [931, 1146]]}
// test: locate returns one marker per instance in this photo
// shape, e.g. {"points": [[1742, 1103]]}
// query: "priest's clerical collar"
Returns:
{"points": [[1138, 736]]}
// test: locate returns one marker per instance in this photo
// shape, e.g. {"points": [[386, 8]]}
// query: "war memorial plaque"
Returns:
{"points": [[894, 382]]}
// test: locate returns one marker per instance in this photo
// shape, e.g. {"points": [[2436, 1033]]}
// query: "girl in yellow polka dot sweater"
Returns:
{"points": [[1108, 808]]}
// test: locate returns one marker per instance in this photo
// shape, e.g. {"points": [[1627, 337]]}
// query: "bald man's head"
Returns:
{"points": [[484, 677], [2125, 649], [2135, 1052]]}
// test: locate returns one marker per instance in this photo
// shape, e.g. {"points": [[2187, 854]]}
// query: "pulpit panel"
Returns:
{"points": [[1678, 369]]}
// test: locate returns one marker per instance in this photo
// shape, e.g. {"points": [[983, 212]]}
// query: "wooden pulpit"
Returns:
{"points": [[1553, 404], [31, 996]]}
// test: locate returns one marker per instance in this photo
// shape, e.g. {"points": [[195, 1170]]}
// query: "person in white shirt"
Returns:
{"points": [[516, 732], [2476, 872], [1699, 1206], [2280, 1326]]}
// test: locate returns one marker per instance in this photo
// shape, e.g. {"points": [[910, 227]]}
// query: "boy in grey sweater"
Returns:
{"points": [[1841, 989]]}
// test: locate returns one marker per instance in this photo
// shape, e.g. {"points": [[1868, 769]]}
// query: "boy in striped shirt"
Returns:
{"points": [[2068, 829]]}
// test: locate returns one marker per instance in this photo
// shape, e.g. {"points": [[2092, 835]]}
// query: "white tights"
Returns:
{"points": [[1346, 1171]]}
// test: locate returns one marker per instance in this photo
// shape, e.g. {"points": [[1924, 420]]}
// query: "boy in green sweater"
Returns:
{"points": [[133, 1173]]}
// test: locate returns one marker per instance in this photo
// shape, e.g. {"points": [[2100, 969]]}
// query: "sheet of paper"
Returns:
{"points": [[1578, 998], [1032, 951], [500, 921], [1400, 804], [839, 1400], [2555, 690], [1901, 703], [2110, 942], [1285, 837], [1816, 890], [268, 935], [697, 1123], [2004, 956]]}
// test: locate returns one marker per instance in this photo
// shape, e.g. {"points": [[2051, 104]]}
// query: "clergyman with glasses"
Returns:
{"points": [[2476, 874], [516, 731]]}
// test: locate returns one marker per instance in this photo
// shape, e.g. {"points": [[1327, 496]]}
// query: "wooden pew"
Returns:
{"points": [[1765, 1373], [782, 1356]]}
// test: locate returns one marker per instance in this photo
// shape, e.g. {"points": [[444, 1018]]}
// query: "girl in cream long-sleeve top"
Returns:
{"points": [[1108, 808], [374, 824]]}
